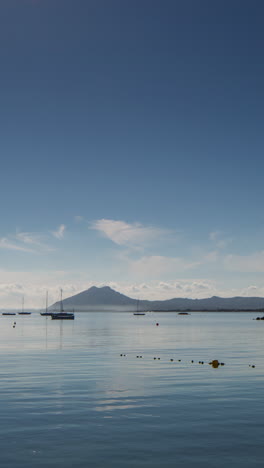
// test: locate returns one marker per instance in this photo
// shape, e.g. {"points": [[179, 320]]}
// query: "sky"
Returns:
{"points": [[131, 145]]}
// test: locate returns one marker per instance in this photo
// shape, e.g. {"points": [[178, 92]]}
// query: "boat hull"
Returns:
{"points": [[60, 316]]}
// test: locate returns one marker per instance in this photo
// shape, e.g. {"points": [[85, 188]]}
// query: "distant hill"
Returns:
{"points": [[95, 298], [106, 298]]}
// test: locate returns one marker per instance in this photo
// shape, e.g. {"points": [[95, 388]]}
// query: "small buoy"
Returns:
{"points": [[253, 366], [179, 360], [192, 361], [14, 326], [157, 324], [121, 354], [140, 356], [154, 358], [171, 360], [159, 358], [215, 363], [137, 356]]}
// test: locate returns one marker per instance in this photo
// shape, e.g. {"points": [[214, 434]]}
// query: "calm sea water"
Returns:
{"points": [[67, 397]]}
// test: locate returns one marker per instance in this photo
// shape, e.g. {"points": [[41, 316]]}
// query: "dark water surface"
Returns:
{"points": [[68, 399]]}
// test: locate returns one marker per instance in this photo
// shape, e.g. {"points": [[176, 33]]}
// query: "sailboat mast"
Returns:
{"points": [[22, 303], [46, 301], [61, 305]]}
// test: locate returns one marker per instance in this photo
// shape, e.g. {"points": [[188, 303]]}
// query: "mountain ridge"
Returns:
{"points": [[107, 299]]}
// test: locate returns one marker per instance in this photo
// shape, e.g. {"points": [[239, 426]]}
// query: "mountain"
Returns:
{"points": [[95, 298], [106, 298]]}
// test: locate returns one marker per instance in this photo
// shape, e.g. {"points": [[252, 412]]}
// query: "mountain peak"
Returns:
{"points": [[98, 298], [105, 298]]}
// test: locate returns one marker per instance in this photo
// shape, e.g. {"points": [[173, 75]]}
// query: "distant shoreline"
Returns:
{"points": [[168, 311], [186, 311]]}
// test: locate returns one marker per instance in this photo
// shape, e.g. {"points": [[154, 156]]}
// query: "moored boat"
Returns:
{"points": [[62, 315], [22, 311], [138, 312], [46, 313]]}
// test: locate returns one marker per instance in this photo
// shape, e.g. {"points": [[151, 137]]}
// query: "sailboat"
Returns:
{"points": [[137, 312], [62, 315], [46, 313], [22, 310]]}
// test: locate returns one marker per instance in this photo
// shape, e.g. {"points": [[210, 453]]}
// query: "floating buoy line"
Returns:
{"points": [[214, 363]]}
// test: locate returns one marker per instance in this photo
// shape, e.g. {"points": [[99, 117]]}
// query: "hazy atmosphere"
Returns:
{"points": [[131, 148]]}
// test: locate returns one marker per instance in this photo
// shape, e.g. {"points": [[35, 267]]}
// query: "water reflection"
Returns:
{"points": [[67, 382]]}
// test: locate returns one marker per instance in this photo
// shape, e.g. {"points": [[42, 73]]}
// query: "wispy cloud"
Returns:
{"points": [[219, 240], [156, 265], [253, 263], [33, 239], [8, 244], [128, 235], [26, 242], [59, 233]]}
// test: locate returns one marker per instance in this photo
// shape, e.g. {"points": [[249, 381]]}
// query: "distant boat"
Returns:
{"points": [[22, 311], [183, 313], [8, 313], [62, 315], [137, 312], [46, 313]]}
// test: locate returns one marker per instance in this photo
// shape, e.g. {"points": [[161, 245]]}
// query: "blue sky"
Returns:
{"points": [[131, 142]]}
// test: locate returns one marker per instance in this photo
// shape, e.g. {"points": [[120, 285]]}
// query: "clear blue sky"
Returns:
{"points": [[131, 142]]}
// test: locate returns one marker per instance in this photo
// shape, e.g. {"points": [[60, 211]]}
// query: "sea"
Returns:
{"points": [[114, 390]]}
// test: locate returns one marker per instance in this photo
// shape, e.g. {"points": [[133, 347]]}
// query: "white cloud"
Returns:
{"points": [[219, 240], [8, 244], [156, 265], [253, 263], [33, 286], [129, 235], [212, 256], [25, 242], [36, 240], [161, 290], [28, 238], [59, 234]]}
